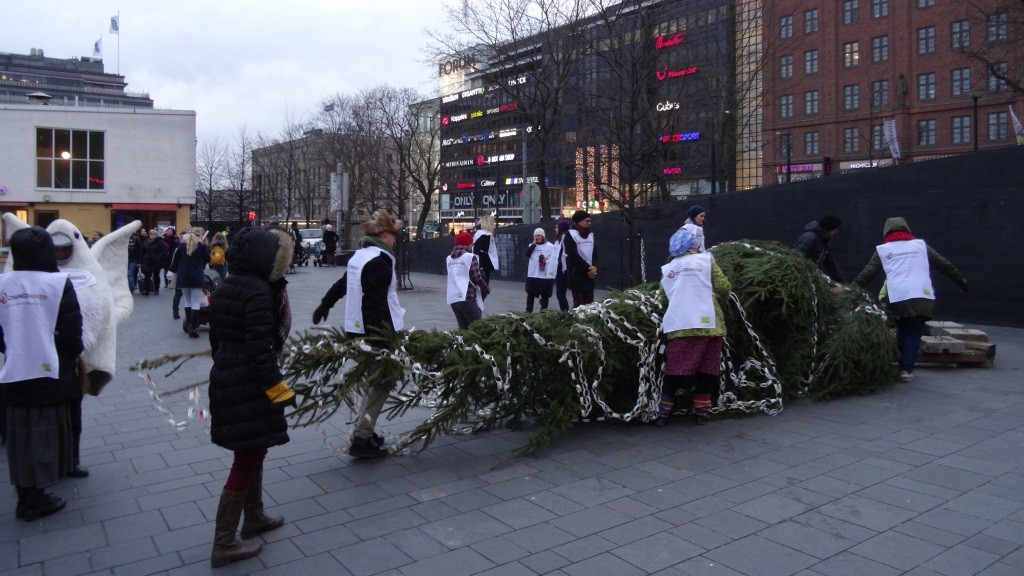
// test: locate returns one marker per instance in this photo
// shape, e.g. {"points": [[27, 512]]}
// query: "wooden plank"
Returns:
{"points": [[967, 358]]}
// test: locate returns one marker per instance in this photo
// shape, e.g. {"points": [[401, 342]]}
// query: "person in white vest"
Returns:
{"points": [[466, 284], [907, 292], [41, 338], [485, 247], [693, 325], [371, 309], [541, 267], [562, 226], [579, 260]]}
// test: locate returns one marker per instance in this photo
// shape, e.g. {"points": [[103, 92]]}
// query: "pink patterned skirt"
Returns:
{"points": [[689, 355]]}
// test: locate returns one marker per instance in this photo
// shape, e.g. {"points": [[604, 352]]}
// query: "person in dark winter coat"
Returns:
{"points": [[485, 248], [562, 226], [188, 263], [371, 308], [171, 243], [813, 244], [153, 251], [41, 337], [330, 241], [907, 292], [579, 260], [248, 394], [134, 257]]}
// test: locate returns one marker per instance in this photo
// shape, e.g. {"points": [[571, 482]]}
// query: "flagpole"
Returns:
{"points": [[118, 42]]}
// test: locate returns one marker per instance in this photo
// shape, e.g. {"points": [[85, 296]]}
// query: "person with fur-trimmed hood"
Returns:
{"points": [[371, 309], [41, 337], [250, 319]]}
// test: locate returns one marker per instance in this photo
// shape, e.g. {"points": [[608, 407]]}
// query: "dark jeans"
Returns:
{"points": [[177, 300], [908, 338], [151, 280], [133, 273], [466, 312], [561, 286]]}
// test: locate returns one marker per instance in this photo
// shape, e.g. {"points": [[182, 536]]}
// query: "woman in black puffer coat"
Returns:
{"points": [[248, 315]]}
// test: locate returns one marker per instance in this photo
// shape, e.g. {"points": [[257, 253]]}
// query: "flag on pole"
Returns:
{"points": [[97, 47], [115, 24], [889, 128], [1018, 129]]}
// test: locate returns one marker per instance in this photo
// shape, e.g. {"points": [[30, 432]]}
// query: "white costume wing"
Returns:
{"points": [[111, 252], [13, 225]]}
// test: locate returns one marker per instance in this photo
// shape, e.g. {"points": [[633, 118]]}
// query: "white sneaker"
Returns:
{"points": [[906, 376]]}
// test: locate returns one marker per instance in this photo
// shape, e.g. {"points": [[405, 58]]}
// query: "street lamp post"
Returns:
{"points": [[789, 158]]}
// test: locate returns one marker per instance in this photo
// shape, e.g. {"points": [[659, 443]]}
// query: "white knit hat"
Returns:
{"points": [[539, 232]]}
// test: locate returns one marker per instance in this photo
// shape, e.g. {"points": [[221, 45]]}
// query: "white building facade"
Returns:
{"points": [[99, 168]]}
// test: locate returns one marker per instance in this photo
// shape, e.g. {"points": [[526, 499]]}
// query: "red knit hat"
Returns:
{"points": [[463, 239]]}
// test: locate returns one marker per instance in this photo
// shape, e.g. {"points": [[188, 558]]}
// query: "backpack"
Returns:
{"points": [[217, 256]]}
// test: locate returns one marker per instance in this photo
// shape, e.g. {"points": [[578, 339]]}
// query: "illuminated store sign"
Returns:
{"points": [[487, 183], [473, 92], [673, 171], [667, 106], [454, 65], [457, 163], [494, 158], [476, 114], [449, 98], [665, 73], [797, 168], [508, 133], [465, 185], [684, 137], [665, 42], [519, 180]]}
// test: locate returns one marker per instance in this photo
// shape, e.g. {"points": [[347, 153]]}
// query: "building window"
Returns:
{"points": [[961, 81], [851, 97], [961, 129], [786, 27], [69, 159], [997, 126], [880, 93], [877, 137], [880, 49], [850, 11], [811, 62], [811, 102], [786, 106], [851, 54], [926, 132], [811, 144], [997, 24], [926, 40], [810, 21], [925, 3], [786, 66], [926, 86], [879, 8], [995, 83], [960, 34], [851, 140]]}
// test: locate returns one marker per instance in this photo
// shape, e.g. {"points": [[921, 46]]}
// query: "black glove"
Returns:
{"points": [[320, 313]]}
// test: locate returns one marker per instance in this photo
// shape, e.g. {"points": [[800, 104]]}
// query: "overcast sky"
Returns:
{"points": [[237, 62]]}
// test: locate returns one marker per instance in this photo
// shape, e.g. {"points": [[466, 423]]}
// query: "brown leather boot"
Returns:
{"points": [[256, 520], [227, 548]]}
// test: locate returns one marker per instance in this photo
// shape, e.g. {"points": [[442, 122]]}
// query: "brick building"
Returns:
{"points": [[853, 83]]}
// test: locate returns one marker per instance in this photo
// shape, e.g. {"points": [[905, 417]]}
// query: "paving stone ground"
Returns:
{"points": [[924, 478]]}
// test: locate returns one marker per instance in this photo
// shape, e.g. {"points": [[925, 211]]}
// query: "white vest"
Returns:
{"points": [[492, 247], [560, 248], [29, 304], [907, 273], [687, 283], [458, 279], [550, 253], [354, 292], [698, 235], [584, 246]]}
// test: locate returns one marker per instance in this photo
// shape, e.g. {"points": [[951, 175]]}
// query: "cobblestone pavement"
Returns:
{"points": [[924, 478]]}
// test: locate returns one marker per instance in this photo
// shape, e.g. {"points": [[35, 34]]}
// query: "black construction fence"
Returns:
{"points": [[968, 207]]}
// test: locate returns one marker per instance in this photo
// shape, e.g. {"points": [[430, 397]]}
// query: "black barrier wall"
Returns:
{"points": [[967, 207]]}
